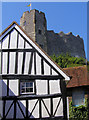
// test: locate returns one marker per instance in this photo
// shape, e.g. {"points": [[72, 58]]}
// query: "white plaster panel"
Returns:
{"points": [[11, 112], [46, 69], [23, 107], [54, 86], [54, 73], [12, 63], [4, 87], [4, 64], [44, 111], [36, 111], [41, 86], [1, 108], [5, 42], [60, 108], [13, 87], [38, 64], [28, 46], [20, 60], [21, 42], [13, 40], [27, 60], [1, 87]]}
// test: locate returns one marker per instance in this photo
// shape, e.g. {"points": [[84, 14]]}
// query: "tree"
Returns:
{"points": [[66, 60]]}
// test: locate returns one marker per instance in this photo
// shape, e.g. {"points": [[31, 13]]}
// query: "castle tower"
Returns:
{"points": [[34, 24]]}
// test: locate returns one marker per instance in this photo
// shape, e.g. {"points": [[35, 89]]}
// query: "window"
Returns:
{"points": [[24, 23], [41, 46], [27, 87], [78, 97], [39, 31]]}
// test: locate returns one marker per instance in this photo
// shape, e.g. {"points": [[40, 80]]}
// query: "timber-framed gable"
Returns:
{"points": [[26, 67]]}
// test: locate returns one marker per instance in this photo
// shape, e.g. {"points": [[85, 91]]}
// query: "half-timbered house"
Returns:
{"points": [[32, 86]]}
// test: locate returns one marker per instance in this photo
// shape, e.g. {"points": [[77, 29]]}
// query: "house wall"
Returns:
{"points": [[10, 62]]}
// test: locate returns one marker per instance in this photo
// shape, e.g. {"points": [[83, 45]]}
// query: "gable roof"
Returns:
{"points": [[80, 76], [36, 46]]}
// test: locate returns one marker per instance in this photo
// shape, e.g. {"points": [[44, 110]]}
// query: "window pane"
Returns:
{"points": [[23, 84], [27, 89], [27, 84], [31, 84], [31, 89], [23, 90]]}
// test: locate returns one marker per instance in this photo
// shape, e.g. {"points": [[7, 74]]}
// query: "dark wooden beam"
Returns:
{"points": [[40, 109], [17, 50], [30, 77], [31, 97], [64, 97], [8, 87], [42, 66], [4, 102], [48, 87], [8, 55], [30, 63], [23, 63], [24, 56], [35, 63], [16, 57], [50, 71], [14, 109], [27, 109], [51, 106]]}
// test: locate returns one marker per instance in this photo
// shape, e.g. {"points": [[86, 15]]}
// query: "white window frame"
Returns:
{"points": [[24, 81]]}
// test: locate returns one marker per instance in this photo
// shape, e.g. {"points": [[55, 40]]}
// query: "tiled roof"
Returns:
{"points": [[80, 76]]}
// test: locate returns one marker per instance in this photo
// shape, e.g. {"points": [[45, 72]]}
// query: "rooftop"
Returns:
{"points": [[80, 76]]}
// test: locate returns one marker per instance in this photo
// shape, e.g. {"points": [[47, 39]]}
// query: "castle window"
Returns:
{"points": [[39, 31], [24, 23], [26, 87], [41, 46]]}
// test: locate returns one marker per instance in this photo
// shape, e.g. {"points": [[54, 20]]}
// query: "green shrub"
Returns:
{"points": [[78, 113], [66, 60]]}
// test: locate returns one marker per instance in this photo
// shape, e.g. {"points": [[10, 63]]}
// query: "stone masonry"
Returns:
{"points": [[34, 23]]}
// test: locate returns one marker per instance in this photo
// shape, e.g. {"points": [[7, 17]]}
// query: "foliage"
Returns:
{"points": [[88, 66], [78, 113], [66, 60]]}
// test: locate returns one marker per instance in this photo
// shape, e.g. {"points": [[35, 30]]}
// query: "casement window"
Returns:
{"points": [[26, 87]]}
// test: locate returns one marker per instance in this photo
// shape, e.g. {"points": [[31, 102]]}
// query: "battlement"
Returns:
{"points": [[35, 24]]}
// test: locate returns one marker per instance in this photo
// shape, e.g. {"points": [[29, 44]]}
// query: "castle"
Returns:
{"points": [[35, 25]]}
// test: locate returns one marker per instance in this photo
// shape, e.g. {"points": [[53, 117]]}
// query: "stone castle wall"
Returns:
{"points": [[34, 23]]}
